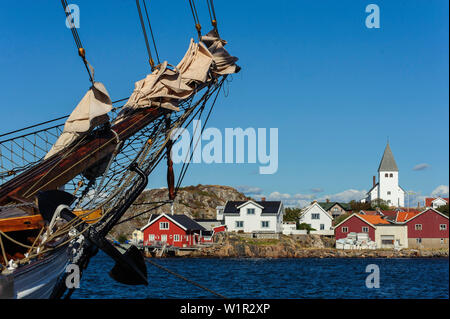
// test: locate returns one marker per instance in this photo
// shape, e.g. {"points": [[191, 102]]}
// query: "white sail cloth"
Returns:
{"points": [[89, 113], [166, 86]]}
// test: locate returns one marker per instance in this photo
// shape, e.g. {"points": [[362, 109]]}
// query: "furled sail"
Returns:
{"points": [[92, 111], [168, 84]]}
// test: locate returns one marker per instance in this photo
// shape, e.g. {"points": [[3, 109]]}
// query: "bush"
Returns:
{"points": [[122, 238], [305, 226]]}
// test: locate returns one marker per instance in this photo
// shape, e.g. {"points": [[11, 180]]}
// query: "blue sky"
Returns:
{"points": [[334, 88]]}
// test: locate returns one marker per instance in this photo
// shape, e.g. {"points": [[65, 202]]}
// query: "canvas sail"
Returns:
{"points": [[90, 112]]}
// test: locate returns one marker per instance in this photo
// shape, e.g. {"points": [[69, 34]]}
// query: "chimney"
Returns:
{"points": [[263, 199], [328, 200], [374, 182]]}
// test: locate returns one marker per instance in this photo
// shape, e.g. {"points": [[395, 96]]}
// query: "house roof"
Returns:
{"points": [[268, 207], [306, 209], [181, 220], [375, 219], [327, 205], [388, 162], [404, 216], [429, 200], [424, 211], [368, 212]]}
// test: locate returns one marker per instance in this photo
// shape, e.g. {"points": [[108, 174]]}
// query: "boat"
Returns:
{"points": [[66, 182]]}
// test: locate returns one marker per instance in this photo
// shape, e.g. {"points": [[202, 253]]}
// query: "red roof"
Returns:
{"points": [[374, 219], [429, 200], [404, 216]]}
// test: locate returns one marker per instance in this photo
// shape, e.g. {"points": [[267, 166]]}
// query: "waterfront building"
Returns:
{"points": [[384, 233], [387, 188], [427, 229], [252, 216], [318, 218], [174, 230], [435, 202]]}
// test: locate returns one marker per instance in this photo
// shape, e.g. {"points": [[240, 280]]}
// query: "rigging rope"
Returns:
{"points": [[151, 31], [76, 37], [150, 59], [212, 14], [185, 279], [196, 19]]}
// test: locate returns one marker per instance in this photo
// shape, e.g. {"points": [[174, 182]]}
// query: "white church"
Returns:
{"points": [[387, 187]]}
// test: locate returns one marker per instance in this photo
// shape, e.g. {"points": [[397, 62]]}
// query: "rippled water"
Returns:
{"points": [[274, 278]]}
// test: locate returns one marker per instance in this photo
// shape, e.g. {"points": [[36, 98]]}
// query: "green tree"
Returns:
{"points": [[381, 204], [291, 214], [443, 209], [339, 219], [122, 238], [357, 206]]}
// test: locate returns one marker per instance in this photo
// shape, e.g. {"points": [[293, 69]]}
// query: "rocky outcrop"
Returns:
{"points": [[196, 201], [230, 245]]}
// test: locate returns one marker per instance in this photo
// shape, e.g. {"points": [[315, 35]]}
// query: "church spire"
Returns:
{"points": [[388, 162]]}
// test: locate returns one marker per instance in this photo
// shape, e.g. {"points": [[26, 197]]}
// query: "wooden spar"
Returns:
{"points": [[59, 169], [170, 174], [21, 223]]}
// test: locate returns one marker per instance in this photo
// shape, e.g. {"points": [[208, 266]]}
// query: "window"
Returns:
{"points": [[239, 224], [442, 226], [391, 175], [265, 224], [418, 240], [163, 225], [176, 237], [442, 241], [345, 229], [386, 175], [151, 237], [315, 216], [418, 226], [250, 211], [389, 193], [335, 209], [322, 226], [365, 229]]}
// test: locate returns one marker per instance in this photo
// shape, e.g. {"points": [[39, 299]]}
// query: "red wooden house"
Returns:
{"points": [[428, 229], [358, 223], [175, 230]]}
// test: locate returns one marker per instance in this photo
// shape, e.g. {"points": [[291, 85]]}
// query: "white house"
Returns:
{"points": [[252, 216], [435, 202], [387, 188], [317, 218]]}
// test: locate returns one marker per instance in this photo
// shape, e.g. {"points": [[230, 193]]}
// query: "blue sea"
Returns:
{"points": [[274, 278]]}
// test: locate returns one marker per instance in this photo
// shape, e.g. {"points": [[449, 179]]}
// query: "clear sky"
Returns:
{"points": [[334, 88]]}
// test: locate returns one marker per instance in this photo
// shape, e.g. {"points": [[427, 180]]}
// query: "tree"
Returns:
{"points": [[291, 214], [379, 203], [443, 209], [357, 206], [339, 219]]}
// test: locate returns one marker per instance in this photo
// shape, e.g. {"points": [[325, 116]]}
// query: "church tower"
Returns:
{"points": [[388, 186]]}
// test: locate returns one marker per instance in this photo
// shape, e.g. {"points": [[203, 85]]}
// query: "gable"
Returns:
{"points": [[314, 209]]}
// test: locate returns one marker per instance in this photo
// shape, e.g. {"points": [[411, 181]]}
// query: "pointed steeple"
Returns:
{"points": [[388, 162]]}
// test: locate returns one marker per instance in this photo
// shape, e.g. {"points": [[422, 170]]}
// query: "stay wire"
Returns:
{"points": [[152, 63], [151, 32]]}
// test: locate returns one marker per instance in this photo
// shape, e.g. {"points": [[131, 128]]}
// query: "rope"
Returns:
{"points": [[185, 279], [151, 31], [212, 14], [196, 19], [76, 37], [152, 63]]}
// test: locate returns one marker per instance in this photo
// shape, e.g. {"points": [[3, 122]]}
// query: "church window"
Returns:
{"points": [[389, 193], [386, 175], [391, 175]]}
